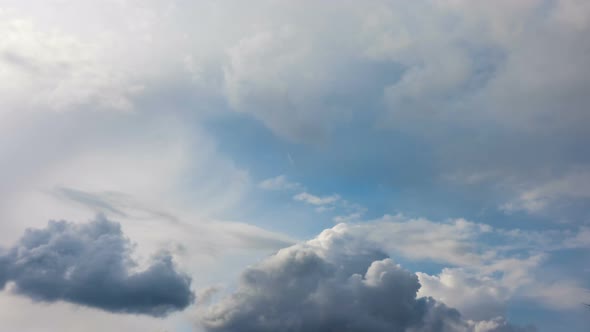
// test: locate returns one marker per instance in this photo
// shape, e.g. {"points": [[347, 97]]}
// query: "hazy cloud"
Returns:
{"points": [[279, 183], [554, 194], [316, 200]]}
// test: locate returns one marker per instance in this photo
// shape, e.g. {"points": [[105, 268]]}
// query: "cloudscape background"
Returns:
{"points": [[275, 165]]}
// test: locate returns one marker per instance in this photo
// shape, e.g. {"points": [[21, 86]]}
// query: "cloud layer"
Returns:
{"points": [[90, 264], [512, 76], [166, 116], [327, 285]]}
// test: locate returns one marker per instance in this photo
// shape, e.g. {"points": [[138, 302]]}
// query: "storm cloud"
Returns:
{"points": [[333, 284], [90, 264]]}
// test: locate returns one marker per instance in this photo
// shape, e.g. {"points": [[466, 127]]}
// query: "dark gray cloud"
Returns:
{"points": [[327, 285], [90, 264]]}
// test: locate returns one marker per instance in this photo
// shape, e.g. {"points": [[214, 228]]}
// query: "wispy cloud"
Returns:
{"points": [[279, 183], [316, 200], [569, 188], [348, 218]]}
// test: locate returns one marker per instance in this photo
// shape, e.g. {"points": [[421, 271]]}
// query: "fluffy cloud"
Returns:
{"points": [[451, 242], [477, 296], [90, 264], [327, 285], [485, 266]]}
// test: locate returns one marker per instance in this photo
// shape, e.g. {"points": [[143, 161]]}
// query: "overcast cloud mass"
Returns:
{"points": [[380, 165]]}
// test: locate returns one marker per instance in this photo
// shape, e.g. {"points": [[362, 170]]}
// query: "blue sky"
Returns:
{"points": [[219, 142]]}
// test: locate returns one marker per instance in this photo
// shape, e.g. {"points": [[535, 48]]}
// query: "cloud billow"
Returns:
{"points": [[89, 264], [327, 284]]}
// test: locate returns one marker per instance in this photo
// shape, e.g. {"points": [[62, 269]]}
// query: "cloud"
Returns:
{"points": [[451, 242], [493, 91], [478, 297], [279, 183], [344, 210], [277, 76], [90, 264], [316, 200], [564, 191], [483, 268], [439, 70], [326, 284], [213, 236], [356, 216], [64, 71]]}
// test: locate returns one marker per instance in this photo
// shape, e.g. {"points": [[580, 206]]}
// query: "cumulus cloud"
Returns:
{"points": [[480, 278], [451, 242], [485, 266], [478, 297], [326, 284], [90, 264]]}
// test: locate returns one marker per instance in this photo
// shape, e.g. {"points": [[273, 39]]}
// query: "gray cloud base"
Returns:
{"points": [[89, 264], [327, 285]]}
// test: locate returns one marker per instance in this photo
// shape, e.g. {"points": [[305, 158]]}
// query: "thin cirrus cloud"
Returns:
{"points": [[347, 211], [90, 264], [316, 200], [279, 183]]}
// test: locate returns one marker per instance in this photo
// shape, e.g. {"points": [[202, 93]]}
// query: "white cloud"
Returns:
{"points": [[316, 200], [476, 296], [449, 242], [55, 70], [279, 75], [481, 276], [356, 216], [458, 63], [279, 183], [544, 196], [302, 69], [335, 281], [562, 294]]}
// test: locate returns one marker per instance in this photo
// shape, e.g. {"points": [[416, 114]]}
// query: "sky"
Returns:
{"points": [[275, 165]]}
